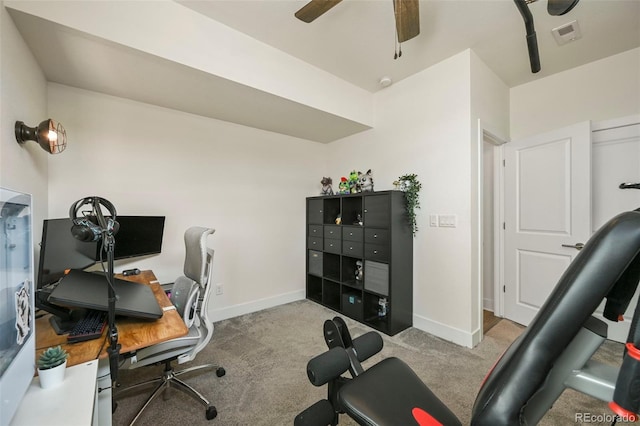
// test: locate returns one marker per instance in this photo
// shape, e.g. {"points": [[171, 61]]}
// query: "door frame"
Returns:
{"points": [[487, 134]]}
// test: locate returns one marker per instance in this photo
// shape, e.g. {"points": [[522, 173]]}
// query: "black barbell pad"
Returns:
{"points": [[319, 414], [327, 366], [367, 345]]}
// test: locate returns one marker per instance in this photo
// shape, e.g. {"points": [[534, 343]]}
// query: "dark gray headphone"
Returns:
{"points": [[91, 228]]}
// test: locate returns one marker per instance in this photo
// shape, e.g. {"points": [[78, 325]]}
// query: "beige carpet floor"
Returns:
{"points": [[265, 356]]}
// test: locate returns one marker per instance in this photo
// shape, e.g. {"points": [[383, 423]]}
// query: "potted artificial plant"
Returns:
{"points": [[51, 366], [410, 185]]}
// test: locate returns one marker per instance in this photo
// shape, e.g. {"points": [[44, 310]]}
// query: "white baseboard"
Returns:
{"points": [[454, 335], [255, 305], [446, 332]]}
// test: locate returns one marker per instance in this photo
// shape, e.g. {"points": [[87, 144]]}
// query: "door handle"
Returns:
{"points": [[577, 246]]}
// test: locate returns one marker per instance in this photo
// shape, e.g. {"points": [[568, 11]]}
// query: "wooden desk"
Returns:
{"points": [[133, 333]]}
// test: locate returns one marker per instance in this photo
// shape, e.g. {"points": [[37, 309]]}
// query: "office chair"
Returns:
{"points": [[190, 295], [553, 353]]}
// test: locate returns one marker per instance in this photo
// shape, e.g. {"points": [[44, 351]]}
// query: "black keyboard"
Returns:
{"points": [[89, 327]]}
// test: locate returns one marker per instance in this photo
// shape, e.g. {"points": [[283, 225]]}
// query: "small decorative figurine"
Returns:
{"points": [[326, 186], [338, 220], [383, 307], [358, 219], [343, 186], [365, 180], [359, 271], [353, 182]]}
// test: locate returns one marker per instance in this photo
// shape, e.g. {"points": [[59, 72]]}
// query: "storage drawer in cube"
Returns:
{"points": [[376, 252], [376, 211], [352, 248], [352, 233], [376, 236], [315, 211], [332, 246], [352, 305], [315, 262], [315, 243], [333, 231], [376, 277], [315, 231]]}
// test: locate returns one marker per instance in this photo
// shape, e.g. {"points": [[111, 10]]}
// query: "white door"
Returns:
{"points": [[616, 160], [547, 183]]}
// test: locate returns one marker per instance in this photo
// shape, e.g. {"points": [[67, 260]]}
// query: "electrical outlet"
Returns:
{"points": [[219, 289]]}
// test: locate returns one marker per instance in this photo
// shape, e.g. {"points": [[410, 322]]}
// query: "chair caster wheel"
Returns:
{"points": [[220, 372], [211, 412]]}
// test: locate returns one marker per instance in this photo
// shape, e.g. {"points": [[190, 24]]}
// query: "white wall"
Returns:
{"points": [[428, 124], [422, 126], [23, 97], [248, 184], [604, 89]]}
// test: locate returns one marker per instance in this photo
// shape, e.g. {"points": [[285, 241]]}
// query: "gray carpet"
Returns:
{"points": [[265, 355]]}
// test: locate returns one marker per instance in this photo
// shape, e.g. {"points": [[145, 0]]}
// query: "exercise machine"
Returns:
{"points": [[552, 354]]}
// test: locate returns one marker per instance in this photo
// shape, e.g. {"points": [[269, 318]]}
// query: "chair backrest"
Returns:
{"points": [[197, 264], [191, 292], [594, 274]]}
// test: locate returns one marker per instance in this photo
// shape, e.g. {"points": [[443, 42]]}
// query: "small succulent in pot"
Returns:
{"points": [[52, 357]]}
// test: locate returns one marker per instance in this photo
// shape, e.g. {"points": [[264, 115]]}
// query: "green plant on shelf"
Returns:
{"points": [[52, 357], [411, 186]]}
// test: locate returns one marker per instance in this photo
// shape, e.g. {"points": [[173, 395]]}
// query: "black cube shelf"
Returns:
{"points": [[368, 230]]}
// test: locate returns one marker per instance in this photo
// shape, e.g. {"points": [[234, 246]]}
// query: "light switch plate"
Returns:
{"points": [[448, 220]]}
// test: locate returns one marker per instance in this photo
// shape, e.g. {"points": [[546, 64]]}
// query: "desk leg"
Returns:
{"points": [[104, 397]]}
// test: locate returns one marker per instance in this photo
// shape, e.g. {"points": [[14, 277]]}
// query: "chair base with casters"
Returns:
{"points": [[554, 353], [190, 294], [170, 379]]}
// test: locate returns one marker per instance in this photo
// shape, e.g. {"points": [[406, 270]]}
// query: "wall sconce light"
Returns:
{"points": [[49, 134]]}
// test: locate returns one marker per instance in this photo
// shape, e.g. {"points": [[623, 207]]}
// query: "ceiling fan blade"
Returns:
{"points": [[560, 7], [407, 19], [315, 8]]}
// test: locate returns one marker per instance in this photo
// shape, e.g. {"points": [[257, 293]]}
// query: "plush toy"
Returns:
{"points": [[353, 182], [359, 271], [365, 181], [326, 186], [343, 186]]}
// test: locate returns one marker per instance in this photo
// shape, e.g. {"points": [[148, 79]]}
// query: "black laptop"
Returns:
{"points": [[80, 289]]}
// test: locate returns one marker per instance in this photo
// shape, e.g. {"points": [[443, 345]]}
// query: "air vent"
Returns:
{"points": [[566, 33]]}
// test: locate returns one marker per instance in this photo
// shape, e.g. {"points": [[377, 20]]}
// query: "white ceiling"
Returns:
{"points": [[355, 39]]}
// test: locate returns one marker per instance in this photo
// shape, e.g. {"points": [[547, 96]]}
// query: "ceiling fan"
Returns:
{"points": [[407, 15]]}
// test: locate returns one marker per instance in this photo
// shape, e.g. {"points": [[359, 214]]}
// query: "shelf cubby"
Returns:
{"points": [[331, 210], [331, 294], [349, 267], [331, 266], [314, 288], [351, 209]]}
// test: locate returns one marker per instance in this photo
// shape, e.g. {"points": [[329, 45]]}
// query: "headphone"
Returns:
{"points": [[91, 228]]}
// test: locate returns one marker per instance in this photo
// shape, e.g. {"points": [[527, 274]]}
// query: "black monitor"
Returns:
{"points": [[137, 236], [60, 251]]}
